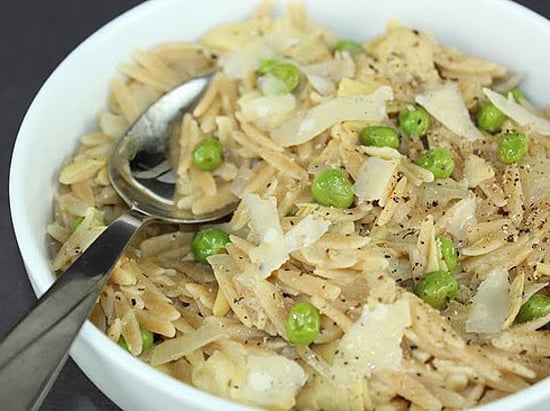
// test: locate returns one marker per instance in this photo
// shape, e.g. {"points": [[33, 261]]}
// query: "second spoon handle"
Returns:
{"points": [[34, 352]]}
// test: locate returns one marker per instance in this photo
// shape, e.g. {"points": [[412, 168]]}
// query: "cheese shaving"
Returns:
{"points": [[374, 341], [490, 304], [518, 113], [264, 217], [272, 380], [459, 217], [239, 62], [267, 112], [319, 118], [476, 170], [446, 104], [323, 76], [267, 381], [275, 247], [375, 180]]}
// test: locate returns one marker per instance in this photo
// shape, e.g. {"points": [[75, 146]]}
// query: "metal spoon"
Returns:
{"points": [[32, 355]]}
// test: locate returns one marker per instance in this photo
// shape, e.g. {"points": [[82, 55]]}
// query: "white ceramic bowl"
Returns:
{"points": [[66, 106]]}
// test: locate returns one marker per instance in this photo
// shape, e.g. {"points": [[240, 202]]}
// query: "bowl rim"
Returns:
{"points": [[89, 334]]}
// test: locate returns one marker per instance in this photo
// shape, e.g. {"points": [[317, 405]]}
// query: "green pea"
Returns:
{"points": [[332, 188], [415, 122], [517, 94], [490, 118], [536, 306], [512, 147], [439, 161], [448, 251], [303, 324], [351, 46], [147, 337], [287, 73], [122, 343], [266, 65], [437, 289], [76, 222], [208, 154], [379, 136], [207, 242]]}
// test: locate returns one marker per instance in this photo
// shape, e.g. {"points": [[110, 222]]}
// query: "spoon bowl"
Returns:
{"points": [[141, 173], [139, 166]]}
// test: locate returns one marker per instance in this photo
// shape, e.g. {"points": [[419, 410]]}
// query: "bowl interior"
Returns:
{"points": [[66, 108]]}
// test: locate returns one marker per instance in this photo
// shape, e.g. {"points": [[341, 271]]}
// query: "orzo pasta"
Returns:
{"points": [[390, 247]]}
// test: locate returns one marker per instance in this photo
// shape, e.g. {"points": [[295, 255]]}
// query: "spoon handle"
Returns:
{"points": [[32, 355]]}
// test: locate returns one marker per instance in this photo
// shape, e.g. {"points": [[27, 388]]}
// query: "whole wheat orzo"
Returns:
{"points": [[222, 326]]}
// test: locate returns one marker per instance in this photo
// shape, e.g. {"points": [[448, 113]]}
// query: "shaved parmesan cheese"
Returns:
{"points": [[534, 174], [476, 170], [272, 380], [304, 44], [269, 256], [267, 381], [317, 119], [271, 85], [267, 112], [270, 253], [490, 304], [375, 179], [305, 233], [323, 76], [216, 374], [459, 217], [344, 392], [264, 217], [518, 113], [445, 103], [322, 85], [244, 45], [275, 247], [243, 60], [374, 341]]}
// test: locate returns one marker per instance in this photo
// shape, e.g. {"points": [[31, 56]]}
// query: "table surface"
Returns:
{"points": [[36, 36]]}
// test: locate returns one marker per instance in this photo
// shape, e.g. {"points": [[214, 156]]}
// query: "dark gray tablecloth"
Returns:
{"points": [[34, 37]]}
